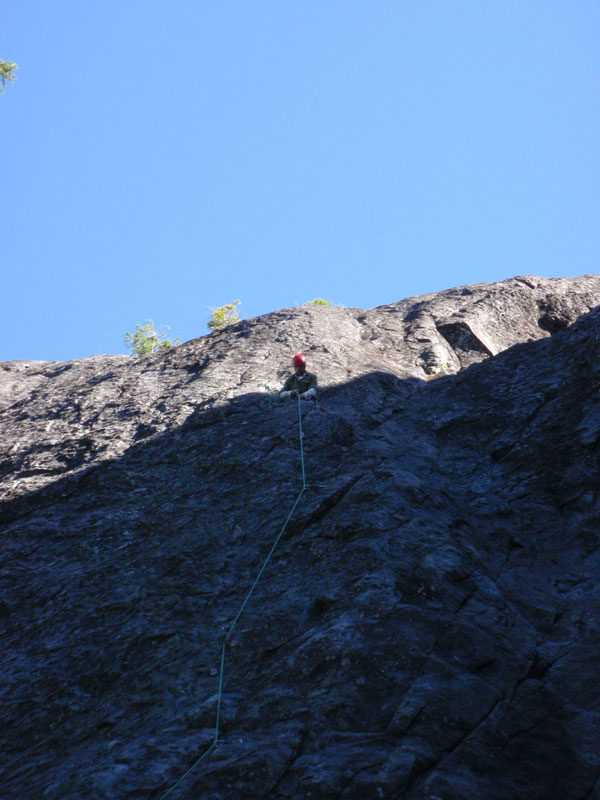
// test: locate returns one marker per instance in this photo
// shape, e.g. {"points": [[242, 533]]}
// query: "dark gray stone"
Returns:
{"points": [[428, 626]]}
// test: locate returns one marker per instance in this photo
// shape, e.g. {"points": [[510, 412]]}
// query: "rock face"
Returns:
{"points": [[428, 626]]}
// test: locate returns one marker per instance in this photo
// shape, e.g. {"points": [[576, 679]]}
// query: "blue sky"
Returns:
{"points": [[160, 159]]}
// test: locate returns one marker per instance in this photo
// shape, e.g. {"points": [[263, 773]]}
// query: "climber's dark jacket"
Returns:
{"points": [[304, 384]]}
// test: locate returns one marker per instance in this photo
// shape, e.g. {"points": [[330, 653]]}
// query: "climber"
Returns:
{"points": [[301, 384]]}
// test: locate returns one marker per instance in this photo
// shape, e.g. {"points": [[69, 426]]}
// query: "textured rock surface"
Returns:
{"points": [[429, 625]]}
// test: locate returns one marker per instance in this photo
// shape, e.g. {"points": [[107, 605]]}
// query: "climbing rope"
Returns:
{"points": [[240, 612]]}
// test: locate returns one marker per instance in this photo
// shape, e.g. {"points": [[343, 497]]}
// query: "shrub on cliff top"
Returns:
{"points": [[147, 340], [224, 316]]}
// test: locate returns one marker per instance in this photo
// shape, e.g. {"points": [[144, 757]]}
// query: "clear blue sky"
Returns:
{"points": [[159, 159]]}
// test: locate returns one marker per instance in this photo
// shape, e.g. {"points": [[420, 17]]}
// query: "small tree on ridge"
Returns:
{"points": [[224, 316], [147, 340]]}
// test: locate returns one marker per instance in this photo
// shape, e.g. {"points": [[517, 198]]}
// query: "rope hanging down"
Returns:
{"points": [[239, 614]]}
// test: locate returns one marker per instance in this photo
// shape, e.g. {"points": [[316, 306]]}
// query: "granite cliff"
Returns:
{"points": [[428, 627]]}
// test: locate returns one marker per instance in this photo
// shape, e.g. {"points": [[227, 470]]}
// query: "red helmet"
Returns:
{"points": [[298, 360]]}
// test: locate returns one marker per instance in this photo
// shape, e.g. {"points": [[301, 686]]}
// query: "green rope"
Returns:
{"points": [[301, 437], [239, 613], [187, 772]]}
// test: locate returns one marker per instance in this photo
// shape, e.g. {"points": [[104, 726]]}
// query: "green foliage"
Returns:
{"points": [[6, 73], [318, 301], [224, 316], [147, 340]]}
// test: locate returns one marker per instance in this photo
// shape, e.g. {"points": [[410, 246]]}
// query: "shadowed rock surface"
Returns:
{"points": [[429, 626]]}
